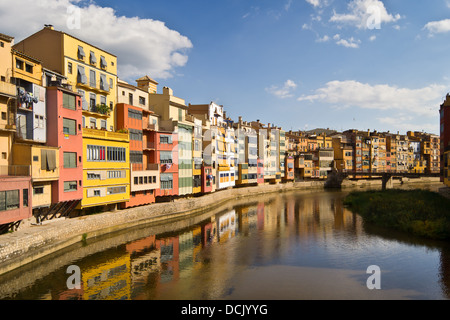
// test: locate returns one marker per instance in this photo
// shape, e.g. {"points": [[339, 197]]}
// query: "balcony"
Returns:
{"points": [[103, 134], [149, 146], [101, 87], [99, 109], [15, 171], [7, 89], [150, 127]]}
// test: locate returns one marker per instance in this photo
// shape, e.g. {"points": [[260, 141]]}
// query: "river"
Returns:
{"points": [[299, 245]]}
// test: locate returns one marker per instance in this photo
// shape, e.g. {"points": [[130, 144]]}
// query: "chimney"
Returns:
{"points": [[240, 119], [49, 26], [167, 91]]}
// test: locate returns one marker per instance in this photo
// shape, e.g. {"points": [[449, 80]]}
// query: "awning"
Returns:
{"points": [[103, 63], [81, 53], [92, 58], [81, 76], [103, 83]]}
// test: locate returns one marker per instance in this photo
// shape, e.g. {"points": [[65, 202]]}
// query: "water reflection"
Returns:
{"points": [[295, 246]]}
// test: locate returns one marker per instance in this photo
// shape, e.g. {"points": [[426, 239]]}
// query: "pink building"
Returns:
{"points": [[15, 198], [64, 113]]}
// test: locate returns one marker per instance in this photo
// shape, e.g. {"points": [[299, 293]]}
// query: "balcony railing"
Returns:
{"points": [[15, 170]]}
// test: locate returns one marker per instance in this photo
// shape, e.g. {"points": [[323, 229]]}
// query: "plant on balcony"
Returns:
{"points": [[103, 109], [122, 131]]}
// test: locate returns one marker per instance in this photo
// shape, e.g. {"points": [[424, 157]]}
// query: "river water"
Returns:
{"points": [[302, 245]]}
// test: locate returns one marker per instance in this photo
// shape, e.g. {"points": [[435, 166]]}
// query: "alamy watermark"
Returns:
{"points": [[374, 281], [73, 17]]}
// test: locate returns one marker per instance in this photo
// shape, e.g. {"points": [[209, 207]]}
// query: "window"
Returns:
{"points": [[28, 68], [96, 153], [93, 123], [180, 115], [93, 176], [135, 114], [19, 64], [70, 159], [81, 76], [2, 44], [69, 101], [165, 139], [38, 190], [92, 100], [103, 63], [135, 135], [116, 154], [92, 78], [4, 155], [116, 190], [25, 197], [70, 186], [48, 160], [142, 100], [165, 157], [69, 126], [9, 200], [96, 193], [136, 157], [69, 67], [103, 124], [81, 53], [38, 121], [3, 115], [92, 58], [166, 181], [130, 99]]}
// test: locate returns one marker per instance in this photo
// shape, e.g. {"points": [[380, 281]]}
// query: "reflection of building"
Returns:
{"points": [[108, 281], [227, 226], [169, 249]]}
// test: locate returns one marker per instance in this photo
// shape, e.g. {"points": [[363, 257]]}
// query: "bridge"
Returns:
{"points": [[335, 178]]}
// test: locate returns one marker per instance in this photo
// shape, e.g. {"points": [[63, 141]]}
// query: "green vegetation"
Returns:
{"points": [[419, 212]]}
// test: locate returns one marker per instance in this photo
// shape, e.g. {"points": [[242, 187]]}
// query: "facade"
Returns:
{"points": [[343, 153], [173, 109], [31, 98], [8, 96], [92, 73], [132, 116], [64, 113], [44, 165], [15, 198]]}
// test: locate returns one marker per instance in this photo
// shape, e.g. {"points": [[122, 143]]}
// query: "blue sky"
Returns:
{"points": [[299, 64]]}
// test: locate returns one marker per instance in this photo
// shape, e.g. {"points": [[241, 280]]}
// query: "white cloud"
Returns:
{"points": [[314, 3], [372, 38], [348, 43], [324, 39], [379, 97], [365, 14], [318, 3], [441, 26], [404, 123], [143, 46], [283, 92]]}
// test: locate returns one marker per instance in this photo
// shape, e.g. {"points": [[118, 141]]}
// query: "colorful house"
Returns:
{"points": [[64, 112], [132, 116]]}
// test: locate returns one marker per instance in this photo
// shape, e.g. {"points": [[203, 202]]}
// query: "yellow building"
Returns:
{"points": [[197, 142], [92, 73], [7, 101], [106, 168], [43, 163]]}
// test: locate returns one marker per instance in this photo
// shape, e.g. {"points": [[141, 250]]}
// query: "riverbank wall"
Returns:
{"points": [[34, 242]]}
